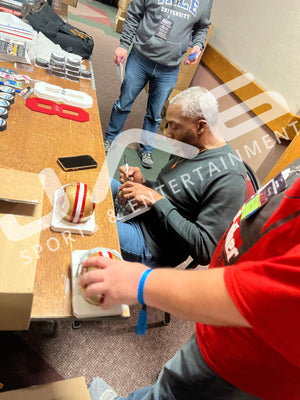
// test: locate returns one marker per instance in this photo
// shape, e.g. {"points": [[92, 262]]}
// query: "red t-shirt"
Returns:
{"points": [[264, 284]]}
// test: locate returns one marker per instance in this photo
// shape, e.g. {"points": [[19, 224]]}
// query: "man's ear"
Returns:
{"points": [[202, 125]]}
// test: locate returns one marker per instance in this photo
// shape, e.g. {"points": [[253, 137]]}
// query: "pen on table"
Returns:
{"points": [[24, 91]]}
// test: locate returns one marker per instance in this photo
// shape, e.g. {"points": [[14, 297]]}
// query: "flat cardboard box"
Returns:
{"points": [[123, 4], [74, 389], [121, 13], [72, 3], [21, 202], [61, 9], [119, 22]]}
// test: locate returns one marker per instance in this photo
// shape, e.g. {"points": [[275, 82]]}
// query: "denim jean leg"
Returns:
{"points": [[114, 187], [140, 394], [187, 376], [161, 84], [132, 244], [135, 80]]}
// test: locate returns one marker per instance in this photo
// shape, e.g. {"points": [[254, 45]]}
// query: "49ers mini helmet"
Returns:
{"points": [[76, 202], [99, 251]]}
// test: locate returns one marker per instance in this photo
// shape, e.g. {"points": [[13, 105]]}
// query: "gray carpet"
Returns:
{"points": [[109, 348]]}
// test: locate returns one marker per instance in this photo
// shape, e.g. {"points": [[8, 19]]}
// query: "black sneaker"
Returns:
{"points": [[146, 159], [107, 145]]}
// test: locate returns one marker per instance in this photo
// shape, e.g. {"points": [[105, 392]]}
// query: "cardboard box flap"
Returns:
{"points": [[20, 228], [71, 389], [72, 3], [19, 186]]}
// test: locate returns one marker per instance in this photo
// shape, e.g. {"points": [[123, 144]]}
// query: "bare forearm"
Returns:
{"points": [[199, 296]]}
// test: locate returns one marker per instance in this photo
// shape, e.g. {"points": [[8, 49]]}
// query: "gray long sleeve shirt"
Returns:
{"points": [[161, 30], [201, 197]]}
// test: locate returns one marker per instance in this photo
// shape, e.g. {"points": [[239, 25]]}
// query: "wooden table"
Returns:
{"points": [[32, 142]]}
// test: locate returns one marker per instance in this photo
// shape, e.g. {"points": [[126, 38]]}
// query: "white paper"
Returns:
{"points": [[14, 26], [120, 72]]}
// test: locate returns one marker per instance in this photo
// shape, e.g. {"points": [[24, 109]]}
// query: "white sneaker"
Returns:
{"points": [[146, 159], [108, 395], [107, 145], [100, 390]]}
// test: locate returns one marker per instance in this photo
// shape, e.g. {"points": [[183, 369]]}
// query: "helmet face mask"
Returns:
{"points": [[76, 203]]}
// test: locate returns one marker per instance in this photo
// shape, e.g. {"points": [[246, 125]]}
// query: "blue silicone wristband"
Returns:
{"points": [[141, 286]]}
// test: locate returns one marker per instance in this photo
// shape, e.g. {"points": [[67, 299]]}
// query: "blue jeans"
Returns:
{"points": [[140, 70], [132, 244], [187, 376]]}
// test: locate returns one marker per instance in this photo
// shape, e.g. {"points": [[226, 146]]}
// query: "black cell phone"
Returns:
{"points": [[77, 162]]}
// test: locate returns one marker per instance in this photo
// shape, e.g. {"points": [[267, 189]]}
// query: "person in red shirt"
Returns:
{"points": [[246, 305]]}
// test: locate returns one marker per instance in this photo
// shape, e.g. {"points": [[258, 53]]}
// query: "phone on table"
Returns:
{"points": [[74, 163]]}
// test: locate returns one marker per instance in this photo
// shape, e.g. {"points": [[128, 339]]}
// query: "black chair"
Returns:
{"points": [[253, 185]]}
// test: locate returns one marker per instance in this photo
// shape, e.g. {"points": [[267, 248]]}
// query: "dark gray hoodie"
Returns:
{"points": [[189, 20]]}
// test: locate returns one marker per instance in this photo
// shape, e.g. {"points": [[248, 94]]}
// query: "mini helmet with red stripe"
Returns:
{"points": [[76, 202], [109, 253]]}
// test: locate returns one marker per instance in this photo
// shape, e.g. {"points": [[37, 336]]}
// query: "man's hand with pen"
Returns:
{"points": [[132, 174], [133, 187]]}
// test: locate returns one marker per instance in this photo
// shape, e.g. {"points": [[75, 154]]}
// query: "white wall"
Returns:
{"points": [[262, 37]]}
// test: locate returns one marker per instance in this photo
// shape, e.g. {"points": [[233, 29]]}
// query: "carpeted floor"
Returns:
{"points": [[106, 348], [110, 349]]}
